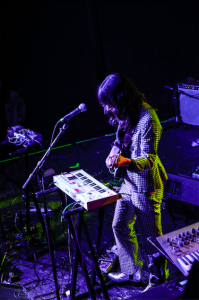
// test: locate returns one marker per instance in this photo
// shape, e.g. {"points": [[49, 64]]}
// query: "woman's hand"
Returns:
{"points": [[117, 161], [113, 155], [114, 160], [111, 161]]}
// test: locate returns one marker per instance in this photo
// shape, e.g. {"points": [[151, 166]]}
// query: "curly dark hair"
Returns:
{"points": [[121, 93]]}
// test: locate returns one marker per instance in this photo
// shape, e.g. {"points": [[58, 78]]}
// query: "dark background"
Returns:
{"points": [[56, 53]]}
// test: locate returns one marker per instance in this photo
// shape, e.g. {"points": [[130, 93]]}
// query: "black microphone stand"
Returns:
{"points": [[39, 173]]}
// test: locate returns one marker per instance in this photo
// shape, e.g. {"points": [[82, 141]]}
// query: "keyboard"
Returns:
{"points": [[84, 189], [182, 246]]}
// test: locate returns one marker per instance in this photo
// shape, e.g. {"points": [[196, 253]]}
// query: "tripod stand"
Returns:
{"points": [[40, 177]]}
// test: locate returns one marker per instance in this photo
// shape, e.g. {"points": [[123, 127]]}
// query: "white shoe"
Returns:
{"points": [[152, 279], [121, 277]]}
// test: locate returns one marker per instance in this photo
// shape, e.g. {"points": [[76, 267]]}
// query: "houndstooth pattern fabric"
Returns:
{"points": [[146, 172], [145, 209], [141, 194]]}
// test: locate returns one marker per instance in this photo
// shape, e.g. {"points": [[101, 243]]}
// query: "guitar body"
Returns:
{"points": [[119, 173]]}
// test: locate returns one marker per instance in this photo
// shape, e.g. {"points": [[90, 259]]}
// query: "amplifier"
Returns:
{"points": [[188, 101], [182, 188], [182, 195]]}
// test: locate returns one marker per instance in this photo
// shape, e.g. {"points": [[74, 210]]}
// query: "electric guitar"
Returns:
{"points": [[120, 172]]}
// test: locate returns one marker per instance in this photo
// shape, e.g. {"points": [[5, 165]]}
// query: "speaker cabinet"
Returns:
{"points": [[168, 291], [189, 103], [182, 195]]}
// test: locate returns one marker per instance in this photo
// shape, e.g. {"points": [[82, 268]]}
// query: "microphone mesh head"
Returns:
{"points": [[83, 107]]}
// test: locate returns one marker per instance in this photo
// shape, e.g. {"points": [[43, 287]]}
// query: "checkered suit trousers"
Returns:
{"points": [[145, 209]]}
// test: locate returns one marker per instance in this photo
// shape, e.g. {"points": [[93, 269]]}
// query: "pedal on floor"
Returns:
{"points": [[108, 260]]}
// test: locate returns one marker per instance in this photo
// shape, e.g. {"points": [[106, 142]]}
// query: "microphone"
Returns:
{"points": [[82, 107]]}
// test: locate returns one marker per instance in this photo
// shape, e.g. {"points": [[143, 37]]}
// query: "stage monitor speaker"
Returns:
{"points": [[184, 288], [182, 195], [188, 101], [167, 291]]}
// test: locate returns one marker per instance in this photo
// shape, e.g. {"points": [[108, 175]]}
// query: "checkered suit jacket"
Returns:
{"points": [[146, 172]]}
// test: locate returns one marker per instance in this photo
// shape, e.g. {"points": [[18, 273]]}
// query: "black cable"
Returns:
{"points": [[34, 267], [101, 251], [18, 296], [40, 145], [184, 159], [22, 292]]}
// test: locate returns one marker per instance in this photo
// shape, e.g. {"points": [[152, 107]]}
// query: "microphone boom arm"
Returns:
{"points": [[42, 161]]}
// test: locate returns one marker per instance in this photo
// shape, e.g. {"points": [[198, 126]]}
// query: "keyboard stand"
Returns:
{"points": [[94, 250]]}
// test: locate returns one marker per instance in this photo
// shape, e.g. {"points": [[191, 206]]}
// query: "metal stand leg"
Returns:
{"points": [[99, 235], [76, 232], [28, 194], [95, 261], [48, 234]]}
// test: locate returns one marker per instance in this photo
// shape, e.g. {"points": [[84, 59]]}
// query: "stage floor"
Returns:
{"points": [[28, 257]]}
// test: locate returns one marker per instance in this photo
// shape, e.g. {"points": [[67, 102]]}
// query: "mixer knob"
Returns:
{"points": [[179, 235], [193, 230], [168, 239], [176, 248]]}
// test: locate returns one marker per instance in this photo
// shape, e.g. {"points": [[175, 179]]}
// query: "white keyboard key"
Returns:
{"points": [[185, 266], [195, 255], [191, 258]]}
